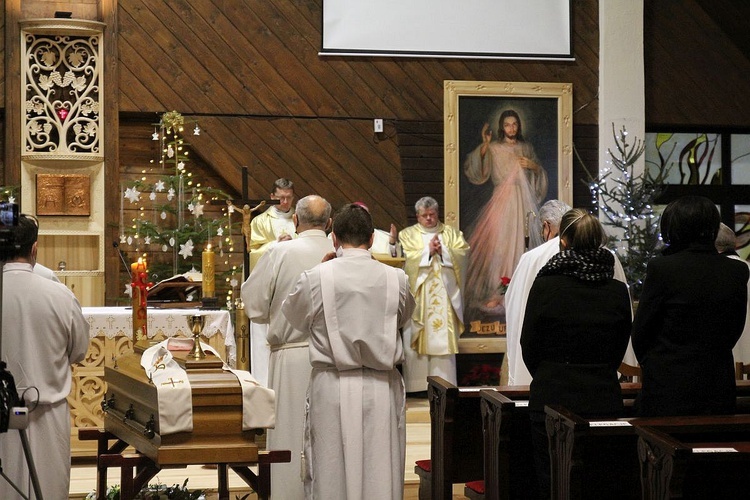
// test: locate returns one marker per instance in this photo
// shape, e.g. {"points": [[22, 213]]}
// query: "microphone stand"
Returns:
{"points": [[22, 432], [122, 258]]}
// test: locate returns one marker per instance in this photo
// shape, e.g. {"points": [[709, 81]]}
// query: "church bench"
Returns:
{"points": [[596, 458], [508, 457], [457, 436], [455, 439], [711, 460], [591, 458]]}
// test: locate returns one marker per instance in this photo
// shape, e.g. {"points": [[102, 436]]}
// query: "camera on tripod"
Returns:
{"points": [[8, 220], [13, 413]]}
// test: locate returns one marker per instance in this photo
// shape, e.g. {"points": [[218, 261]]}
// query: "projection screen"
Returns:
{"points": [[512, 29]]}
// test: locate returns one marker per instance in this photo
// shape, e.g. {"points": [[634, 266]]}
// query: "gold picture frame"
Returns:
{"points": [[544, 111]]}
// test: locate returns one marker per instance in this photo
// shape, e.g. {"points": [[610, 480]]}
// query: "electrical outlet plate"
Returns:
{"points": [[378, 125]]}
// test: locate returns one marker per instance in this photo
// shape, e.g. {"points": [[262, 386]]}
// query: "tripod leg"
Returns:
{"points": [[7, 479], [30, 463]]}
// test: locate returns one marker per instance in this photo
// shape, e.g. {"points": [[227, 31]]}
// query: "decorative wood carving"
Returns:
{"points": [[61, 80], [63, 194]]}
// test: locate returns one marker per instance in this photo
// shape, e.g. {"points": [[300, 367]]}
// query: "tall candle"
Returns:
{"points": [[209, 283], [139, 287]]}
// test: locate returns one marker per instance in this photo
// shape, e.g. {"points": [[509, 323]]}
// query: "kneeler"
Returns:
{"points": [[423, 468], [474, 490]]}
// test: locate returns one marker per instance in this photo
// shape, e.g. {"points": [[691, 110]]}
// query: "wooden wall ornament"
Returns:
{"points": [[61, 80], [63, 194]]}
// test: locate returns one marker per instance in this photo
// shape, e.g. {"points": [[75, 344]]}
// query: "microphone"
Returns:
{"points": [[116, 244]]}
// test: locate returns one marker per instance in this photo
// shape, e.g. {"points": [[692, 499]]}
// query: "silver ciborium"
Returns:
{"points": [[196, 323]]}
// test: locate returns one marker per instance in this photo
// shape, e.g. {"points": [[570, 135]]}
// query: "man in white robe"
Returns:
{"points": [[45, 272], [353, 306], [272, 279], [517, 294], [43, 332], [726, 244], [435, 262], [266, 230]]}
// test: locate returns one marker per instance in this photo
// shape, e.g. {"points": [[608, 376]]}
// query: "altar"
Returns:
{"points": [[111, 337]]}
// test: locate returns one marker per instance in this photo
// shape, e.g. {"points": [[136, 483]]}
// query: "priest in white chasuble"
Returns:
{"points": [[436, 257], [271, 281], [43, 332], [353, 307], [266, 230]]}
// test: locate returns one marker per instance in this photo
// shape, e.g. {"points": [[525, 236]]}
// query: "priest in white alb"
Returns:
{"points": [[272, 279], [353, 307]]}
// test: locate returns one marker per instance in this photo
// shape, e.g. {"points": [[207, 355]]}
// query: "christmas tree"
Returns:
{"points": [[171, 227], [627, 201]]}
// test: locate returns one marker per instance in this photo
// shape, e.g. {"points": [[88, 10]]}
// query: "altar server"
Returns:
{"points": [[272, 279], [353, 306], [43, 332]]}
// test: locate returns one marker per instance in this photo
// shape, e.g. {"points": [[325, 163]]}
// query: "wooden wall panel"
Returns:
{"points": [[695, 73], [251, 72], [264, 54]]}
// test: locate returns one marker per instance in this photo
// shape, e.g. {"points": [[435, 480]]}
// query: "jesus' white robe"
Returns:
{"points": [[515, 306], [272, 279], [44, 332], [265, 230], [355, 435]]}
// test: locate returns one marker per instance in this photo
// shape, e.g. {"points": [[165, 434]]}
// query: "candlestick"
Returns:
{"points": [[209, 282]]}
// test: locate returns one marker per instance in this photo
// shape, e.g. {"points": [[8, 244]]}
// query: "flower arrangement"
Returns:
{"points": [[481, 374], [155, 492]]}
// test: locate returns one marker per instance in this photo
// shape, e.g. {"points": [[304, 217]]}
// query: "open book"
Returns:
{"points": [[178, 288]]}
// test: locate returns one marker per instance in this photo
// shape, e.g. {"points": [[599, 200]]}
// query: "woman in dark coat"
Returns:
{"points": [[691, 313], [575, 331]]}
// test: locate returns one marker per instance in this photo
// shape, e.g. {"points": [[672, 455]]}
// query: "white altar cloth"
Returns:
{"points": [[114, 322]]}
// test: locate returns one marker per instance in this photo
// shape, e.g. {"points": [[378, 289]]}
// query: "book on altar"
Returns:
{"points": [[180, 288]]}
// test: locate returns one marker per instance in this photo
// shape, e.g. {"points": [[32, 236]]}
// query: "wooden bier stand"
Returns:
{"points": [[132, 419]]}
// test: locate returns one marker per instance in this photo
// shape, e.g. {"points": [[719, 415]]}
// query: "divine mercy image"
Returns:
{"points": [[508, 169]]}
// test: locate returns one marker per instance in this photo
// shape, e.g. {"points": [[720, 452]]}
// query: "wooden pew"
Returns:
{"points": [[456, 449], [456, 437], [695, 457], [508, 456], [592, 458]]}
